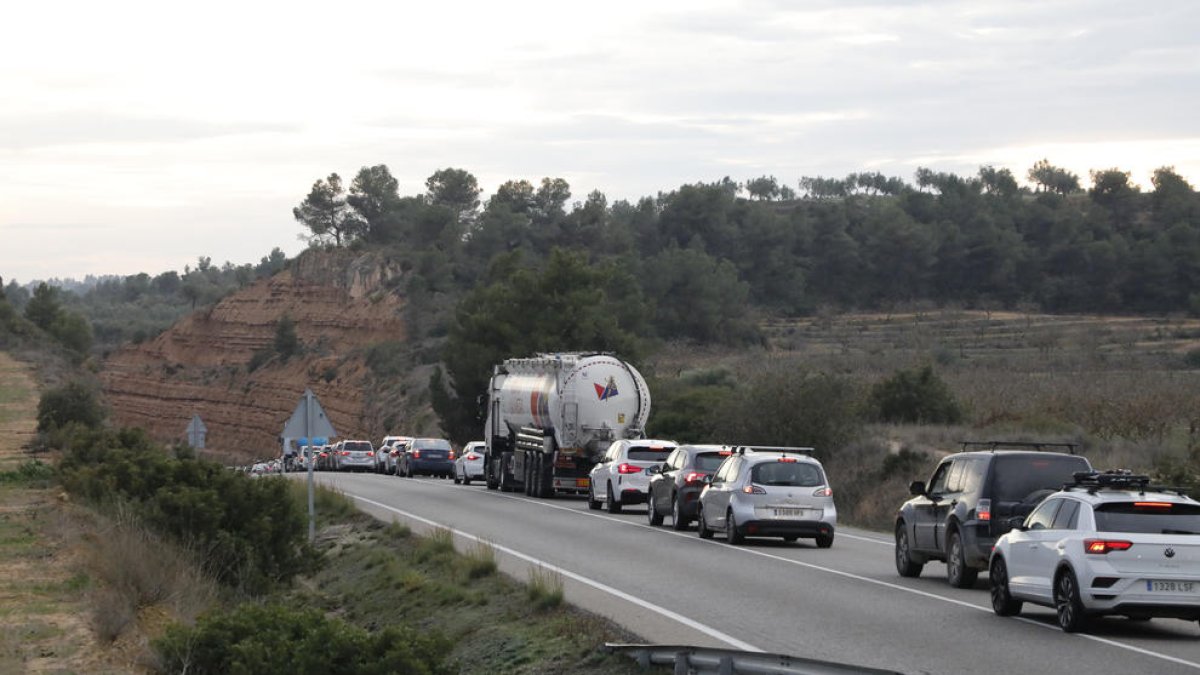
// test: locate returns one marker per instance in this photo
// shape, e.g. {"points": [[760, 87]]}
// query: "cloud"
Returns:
{"points": [[75, 128]]}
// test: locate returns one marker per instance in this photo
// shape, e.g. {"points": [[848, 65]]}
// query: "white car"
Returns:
{"points": [[1108, 544], [768, 492], [469, 464], [385, 459], [620, 477]]}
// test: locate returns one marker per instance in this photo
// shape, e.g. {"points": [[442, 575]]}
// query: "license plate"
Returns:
{"points": [[583, 482], [789, 513], [1171, 586]]}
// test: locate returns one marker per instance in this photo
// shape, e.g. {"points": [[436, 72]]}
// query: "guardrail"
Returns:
{"points": [[687, 660]]}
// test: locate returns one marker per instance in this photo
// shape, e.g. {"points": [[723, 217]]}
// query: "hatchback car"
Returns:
{"points": [[355, 456], [469, 464], [385, 459], [768, 492], [1107, 544], [675, 486], [620, 478], [970, 501], [428, 456]]}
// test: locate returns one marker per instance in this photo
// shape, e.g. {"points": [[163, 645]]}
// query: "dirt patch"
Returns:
{"points": [[18, 410]]}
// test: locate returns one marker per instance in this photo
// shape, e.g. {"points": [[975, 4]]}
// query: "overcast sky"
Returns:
{"points": [[136, 136]]}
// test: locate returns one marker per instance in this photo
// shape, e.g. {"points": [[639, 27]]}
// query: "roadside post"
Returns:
{"points": [[307, 421]]}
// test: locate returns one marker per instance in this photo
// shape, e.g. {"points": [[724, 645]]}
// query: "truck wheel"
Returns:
{"points": [[506, 484], [593, 503], [489, 471], [613, 505]]}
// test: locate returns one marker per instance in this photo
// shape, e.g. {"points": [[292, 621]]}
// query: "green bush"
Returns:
{"points": [[916, 397], [249, 533], [270, 639], [72, 402]]}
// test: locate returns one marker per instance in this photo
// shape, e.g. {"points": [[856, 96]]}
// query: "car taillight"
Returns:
{"points": [[823, 492], [451, 454], [416, 454], [1102, 546], [393, 453], [345, 453], [787, 460], [472, 457], [370, 453], [754, 490], [1152, 505], [694, 477], [983, 511], [628, 468]]}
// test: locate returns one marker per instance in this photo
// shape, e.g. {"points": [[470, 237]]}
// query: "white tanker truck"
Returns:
{"points": [[551, 417]]}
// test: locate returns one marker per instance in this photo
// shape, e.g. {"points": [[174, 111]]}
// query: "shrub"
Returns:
{"points": [[1192, 358], [30, 473], [916, 397], [269, 639], [72, 402], [545, 588]]}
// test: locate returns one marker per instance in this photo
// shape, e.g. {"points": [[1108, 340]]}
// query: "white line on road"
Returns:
{"points": [[695, 625], [750, 551]]}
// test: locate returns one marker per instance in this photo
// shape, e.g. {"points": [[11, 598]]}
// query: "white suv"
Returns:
{"points": [[1108, 544], [620, 478]]}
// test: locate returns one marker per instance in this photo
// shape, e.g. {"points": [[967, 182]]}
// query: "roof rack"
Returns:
{"points": [[741, 449], [1117, 479], [992, 446]]}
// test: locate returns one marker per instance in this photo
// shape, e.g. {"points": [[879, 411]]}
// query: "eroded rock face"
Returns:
{"points": [[340, 305]]}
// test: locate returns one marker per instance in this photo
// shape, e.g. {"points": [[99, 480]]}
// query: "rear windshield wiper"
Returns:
{"points": [[1178, 532]]}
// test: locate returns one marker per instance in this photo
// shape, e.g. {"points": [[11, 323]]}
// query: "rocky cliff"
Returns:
{"points": [[341, 305]]}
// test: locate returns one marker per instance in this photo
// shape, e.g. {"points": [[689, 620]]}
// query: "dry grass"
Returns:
{"points": [[544, 588]]}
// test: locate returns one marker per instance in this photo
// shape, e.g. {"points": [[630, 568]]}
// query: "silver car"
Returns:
{"points": [[768, 492], [469, 464], [355, 456]]}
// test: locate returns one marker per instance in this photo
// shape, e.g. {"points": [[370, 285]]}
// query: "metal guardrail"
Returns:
{"points": [[689, 660]]}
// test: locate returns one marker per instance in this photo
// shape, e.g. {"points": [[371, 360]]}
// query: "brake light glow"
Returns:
{"points": [[451, 454], [370, 453], [725, 453], [787, 460], [823, 492], [754, 490], [1103, 546], [984, 510], [416, 454], [345, 453], [1152, 505], [628, 468], [694, 477], [472, 457]]}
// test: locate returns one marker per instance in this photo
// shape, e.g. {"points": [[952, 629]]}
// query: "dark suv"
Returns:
{"points": [[970, 500]]}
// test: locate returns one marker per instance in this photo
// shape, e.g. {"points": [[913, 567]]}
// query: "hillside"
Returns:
{"points": [[341, 304]]}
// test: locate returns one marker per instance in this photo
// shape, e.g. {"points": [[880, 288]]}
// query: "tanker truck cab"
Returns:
{"points": [[620, 478]]}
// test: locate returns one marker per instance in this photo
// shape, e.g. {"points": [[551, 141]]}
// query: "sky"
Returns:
{"points": [[138, 136]]}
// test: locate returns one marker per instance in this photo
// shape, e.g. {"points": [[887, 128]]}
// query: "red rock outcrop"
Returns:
{"points": [[340, 305]]}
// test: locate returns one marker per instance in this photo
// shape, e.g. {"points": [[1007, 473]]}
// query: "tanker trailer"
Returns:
{"points": [[551, 418]]}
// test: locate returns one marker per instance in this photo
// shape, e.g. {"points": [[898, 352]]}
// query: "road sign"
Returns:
{"points": [[196, 432], [297, 426]]}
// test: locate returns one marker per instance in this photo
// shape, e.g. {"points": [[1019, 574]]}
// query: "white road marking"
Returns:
{"points": [[695, 625], [750, 551]]}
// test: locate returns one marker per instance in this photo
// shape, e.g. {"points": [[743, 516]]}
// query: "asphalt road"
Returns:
{"points": [[842, 604]]}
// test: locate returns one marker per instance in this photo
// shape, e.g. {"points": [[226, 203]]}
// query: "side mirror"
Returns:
{"points": [[708, 479], [1016, 523], [653, 470], [916, 488]]}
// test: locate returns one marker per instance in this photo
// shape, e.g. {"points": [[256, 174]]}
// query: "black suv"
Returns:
{"points": [[970, 500]]}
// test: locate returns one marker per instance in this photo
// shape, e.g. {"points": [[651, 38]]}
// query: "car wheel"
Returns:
{"points": [[457, 480], [824, 540], [1003, 603], [652, 515], [701, 527], [678, 522], [613, 505], [465, 480], [593, 503], [957, 572], [905, 565], [1067, 603], [731, 532]]}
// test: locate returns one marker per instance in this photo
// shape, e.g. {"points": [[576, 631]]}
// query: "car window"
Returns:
{"points": [[795, 474], [649, 454], [672, 459], [1043, 516], [360, 446], [1015, 477], [1068, 515], [972, 474], [937, 484], [708, 461], [613, 451], [723, 472], [954, 478], [1148, 517]]}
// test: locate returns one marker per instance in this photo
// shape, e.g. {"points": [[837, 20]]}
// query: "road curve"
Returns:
{"points": [[841, 604]]}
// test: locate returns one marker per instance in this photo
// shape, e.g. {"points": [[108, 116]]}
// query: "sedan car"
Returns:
{"points": [[675, 486], [1108, 544], [429, 456], [768, 492], [355, 456], [469, 464], [620, 478]]}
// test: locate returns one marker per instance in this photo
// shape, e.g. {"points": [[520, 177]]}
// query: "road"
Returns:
{"points": [[841, 604]]}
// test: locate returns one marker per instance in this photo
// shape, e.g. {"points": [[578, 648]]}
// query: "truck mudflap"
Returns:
{"points": [[572, 484]]}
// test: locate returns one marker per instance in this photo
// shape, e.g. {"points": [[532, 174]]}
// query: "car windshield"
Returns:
{"points": [[433, 444], [794, 474], [1014, 477], [708, 461], [649, 454], [359, 446], [1148, 517]]}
